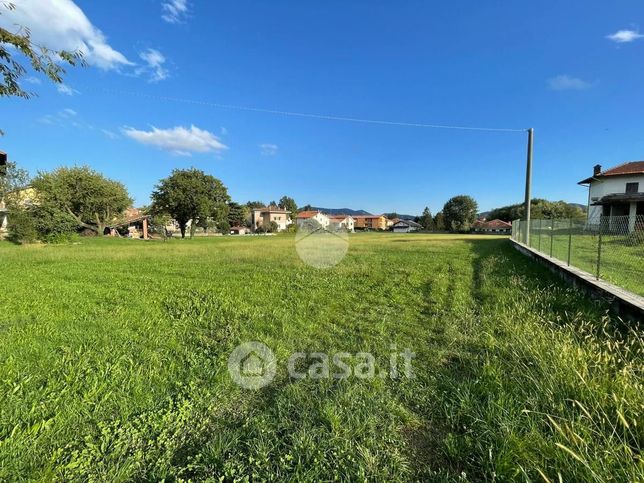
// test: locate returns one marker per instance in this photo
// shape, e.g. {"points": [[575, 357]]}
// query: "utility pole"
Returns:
{"points": [[528, 186]]}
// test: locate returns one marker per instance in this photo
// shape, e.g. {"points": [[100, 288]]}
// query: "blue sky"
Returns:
{"points": [[572, 70]]}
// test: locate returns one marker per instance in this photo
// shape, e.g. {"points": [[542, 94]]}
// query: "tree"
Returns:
{"points": [[90, 198], [460, 213], [255, 204], [190, 194], [289, 204], [236, 214], [426, 219], [540, 208], [41, 59], [439, 221], [12, 178]]}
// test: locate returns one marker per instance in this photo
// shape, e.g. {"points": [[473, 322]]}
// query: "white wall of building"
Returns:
{"points": [[607, 186], [321, 218]]}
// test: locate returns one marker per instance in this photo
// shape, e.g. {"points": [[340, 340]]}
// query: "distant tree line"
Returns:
{"points": [[58, 205], [539, 208]]}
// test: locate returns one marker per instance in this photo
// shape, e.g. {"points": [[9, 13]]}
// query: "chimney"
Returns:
{"points": [[597, 169]]}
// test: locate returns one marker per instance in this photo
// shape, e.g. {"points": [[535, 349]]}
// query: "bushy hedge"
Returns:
{"points": [[41, 223]]}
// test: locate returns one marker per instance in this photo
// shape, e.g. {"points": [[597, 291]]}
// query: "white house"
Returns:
{"points": [[266, 215], [617, 191], [305, 217], [343, 221], [406, 226]]}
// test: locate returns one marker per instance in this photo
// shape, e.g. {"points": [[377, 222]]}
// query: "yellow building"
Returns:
{"points": [[370, 222], [22, 197]]}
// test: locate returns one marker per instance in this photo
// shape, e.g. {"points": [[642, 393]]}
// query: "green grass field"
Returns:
{"points": [[114, 364], [621, 261]]}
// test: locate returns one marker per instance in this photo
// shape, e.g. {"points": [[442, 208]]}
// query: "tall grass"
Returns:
{"points": [[113, 365]]}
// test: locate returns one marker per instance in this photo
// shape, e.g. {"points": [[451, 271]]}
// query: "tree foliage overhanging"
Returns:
{"points": [[41, 59]]}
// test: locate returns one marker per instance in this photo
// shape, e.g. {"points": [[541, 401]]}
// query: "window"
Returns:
{"points": [[632, 187]]}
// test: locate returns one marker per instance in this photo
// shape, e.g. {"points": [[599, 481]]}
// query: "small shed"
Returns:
{"points": [[136, 228], [238, 230]]}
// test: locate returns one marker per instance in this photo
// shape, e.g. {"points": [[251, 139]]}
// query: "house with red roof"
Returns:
{"points": [[304, 217], [345, 222], [496, 227], [616, 192]]}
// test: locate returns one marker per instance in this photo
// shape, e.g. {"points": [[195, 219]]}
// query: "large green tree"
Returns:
{"points": [[288, 203], [93, 200], [237, 214], [460, 213], [190, 194], [439, 221], [41, 59], [426, 219]]}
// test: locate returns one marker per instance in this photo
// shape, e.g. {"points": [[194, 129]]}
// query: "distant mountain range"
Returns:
{"points": [[349, 211]]}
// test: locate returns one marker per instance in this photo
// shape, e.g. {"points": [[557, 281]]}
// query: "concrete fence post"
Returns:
{"points": [[569, 240], [552, 235]]}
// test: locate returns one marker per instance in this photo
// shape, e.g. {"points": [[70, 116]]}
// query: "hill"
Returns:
{"points": [[349, 211]]}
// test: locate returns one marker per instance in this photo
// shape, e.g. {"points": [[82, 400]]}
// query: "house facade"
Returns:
{"points": [[304, 217], [616, 192], [496, 227], [23, 197], [264, 216], [406, 226], [345, 222], [370, 222]]}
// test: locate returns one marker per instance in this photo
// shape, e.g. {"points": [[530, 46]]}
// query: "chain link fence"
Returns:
{"points": [[609, 247]]}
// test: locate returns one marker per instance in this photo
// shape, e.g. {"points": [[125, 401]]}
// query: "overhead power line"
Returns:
{"points": [[304, 114]]}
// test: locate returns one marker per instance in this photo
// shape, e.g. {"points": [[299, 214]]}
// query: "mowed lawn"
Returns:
{"points": [[113, 364]]}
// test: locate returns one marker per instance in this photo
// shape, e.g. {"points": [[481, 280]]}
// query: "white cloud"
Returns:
{"points": [[623, 36], [65, 89], [63, 117], [174, 11], [154, 61], [32, 80], [566, 82], [178, 140], [110, 134], [62, 25], [269, 149], [67, 112]]}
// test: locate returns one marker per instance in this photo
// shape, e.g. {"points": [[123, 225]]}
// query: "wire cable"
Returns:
{"points": [[306, 115]]}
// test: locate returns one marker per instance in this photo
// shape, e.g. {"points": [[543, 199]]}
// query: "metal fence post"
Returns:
{"points": [[540, 225], [552, 234], [599, 247], [569, 240]]}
